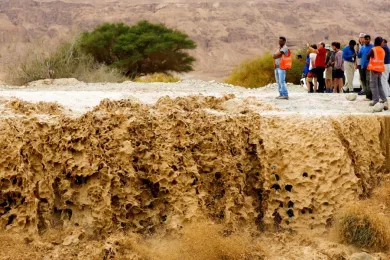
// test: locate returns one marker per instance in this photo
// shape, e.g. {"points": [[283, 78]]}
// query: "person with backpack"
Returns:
{"points": [[282, 62]]}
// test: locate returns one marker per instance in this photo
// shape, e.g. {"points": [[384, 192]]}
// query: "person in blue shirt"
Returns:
{"points": [[349, 56], [307, 63], [305, 71], [364, 63]]}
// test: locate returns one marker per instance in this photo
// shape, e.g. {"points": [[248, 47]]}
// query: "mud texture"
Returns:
{"points": [[135, 167], [22, 107]]}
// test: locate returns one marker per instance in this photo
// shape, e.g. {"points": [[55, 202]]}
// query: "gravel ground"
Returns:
{"points": [[81, 97]]}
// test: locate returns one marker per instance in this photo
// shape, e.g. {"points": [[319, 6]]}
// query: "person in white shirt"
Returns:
{"points": [[358, 66], [311, 76]]}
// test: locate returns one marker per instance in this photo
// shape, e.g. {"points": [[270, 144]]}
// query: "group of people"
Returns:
{"points": [[330, 69]]}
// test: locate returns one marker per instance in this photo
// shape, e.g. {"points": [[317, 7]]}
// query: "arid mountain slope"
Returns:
{"points": [[226, 32]]}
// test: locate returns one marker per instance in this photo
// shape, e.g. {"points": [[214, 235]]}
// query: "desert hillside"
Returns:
{"points": [[226, 32]]}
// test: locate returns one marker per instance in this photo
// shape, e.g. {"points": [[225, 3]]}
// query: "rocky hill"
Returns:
{"points": [[227, 32]]}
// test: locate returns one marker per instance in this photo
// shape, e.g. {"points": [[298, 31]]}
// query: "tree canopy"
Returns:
{"points": [[140, 49]]}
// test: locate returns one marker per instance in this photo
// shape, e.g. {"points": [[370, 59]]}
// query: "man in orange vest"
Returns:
{"points": [[376, 66], [282, 62]]}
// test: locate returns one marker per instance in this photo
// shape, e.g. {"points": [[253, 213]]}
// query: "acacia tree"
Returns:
{"points": [[140, 49]]}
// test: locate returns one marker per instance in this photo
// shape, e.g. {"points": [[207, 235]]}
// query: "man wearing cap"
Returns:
{"points": [[358, 47], [364, 63], [385, 75], [349, 65], [376, 66]]}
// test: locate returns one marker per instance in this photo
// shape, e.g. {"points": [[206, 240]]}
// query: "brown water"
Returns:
{"points": [[127, 168]]}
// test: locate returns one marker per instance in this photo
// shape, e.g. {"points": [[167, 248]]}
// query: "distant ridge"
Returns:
{"points": [[226, 32]]}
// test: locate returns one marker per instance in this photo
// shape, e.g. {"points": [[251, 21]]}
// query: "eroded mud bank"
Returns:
{"points": [[129, 166]]}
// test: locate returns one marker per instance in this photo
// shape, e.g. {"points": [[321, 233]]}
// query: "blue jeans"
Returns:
{"points": [[280, 76]]}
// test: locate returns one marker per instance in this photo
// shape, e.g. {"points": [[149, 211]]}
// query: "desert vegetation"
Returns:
{"points": [[365, 223], [110, 53], [158, 77], [141, 49], [258, 72]]}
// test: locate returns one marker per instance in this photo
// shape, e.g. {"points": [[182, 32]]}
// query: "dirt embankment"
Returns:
{"points": [[152, 169]]}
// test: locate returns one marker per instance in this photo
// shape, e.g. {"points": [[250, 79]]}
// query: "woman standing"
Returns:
{"points": [[311, 76], [338, 73]]}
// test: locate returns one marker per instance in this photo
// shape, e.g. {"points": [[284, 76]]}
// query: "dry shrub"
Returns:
{"points": [[253, 73], [259, 72], [99, 73], [62, 61], [158, 77], [364, 227], [38, 62], [382, 197]]}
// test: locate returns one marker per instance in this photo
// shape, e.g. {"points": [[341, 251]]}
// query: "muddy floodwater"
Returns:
{"points": [[192, 170]]}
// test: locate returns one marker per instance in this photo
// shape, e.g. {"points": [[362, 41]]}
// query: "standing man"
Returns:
{"points": [[364, 63], [320, 65], [282, 62], [349, 56], [358, 62], [385, 75], [328, 70], [376, 66]]}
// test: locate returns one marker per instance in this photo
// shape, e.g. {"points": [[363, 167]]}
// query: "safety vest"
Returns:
{"points": [[378, 62], [286, 61]]}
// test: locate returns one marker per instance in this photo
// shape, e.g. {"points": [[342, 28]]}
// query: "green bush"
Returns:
{"points": [[260, 72], [363, 228], [295, 74], [144, 48]]}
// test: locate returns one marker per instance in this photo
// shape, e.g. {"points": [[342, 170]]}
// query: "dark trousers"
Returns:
{"points": [[365, 74], [368, 90], [320, 79], [376, 87], [389, 79], [362, 78]]}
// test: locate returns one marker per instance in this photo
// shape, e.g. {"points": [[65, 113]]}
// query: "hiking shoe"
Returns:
{"points": [[282, 97], [372, 103]]}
